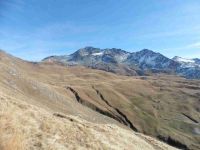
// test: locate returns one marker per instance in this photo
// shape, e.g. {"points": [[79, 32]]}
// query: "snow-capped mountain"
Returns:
{"points": [[126, 63], [185, 62], [147, 59], [190, 68]]}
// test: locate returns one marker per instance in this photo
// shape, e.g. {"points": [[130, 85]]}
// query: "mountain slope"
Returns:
{"points": [[41, 129], [147, 59], [38, 112], [190, 68], [121, 62], [187, 63], [165, 107], [106, 59]]}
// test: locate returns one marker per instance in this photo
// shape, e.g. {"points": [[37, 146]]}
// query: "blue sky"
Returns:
{"points": [[34, 29]]}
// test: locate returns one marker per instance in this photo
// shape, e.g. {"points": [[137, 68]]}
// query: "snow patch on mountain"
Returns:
{"points": [[180, 59], [148, 60], [187, 63], [97, 54]]}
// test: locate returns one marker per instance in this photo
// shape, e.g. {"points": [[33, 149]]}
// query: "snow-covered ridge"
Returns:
{"points": [[187, 63], [180, 59]]}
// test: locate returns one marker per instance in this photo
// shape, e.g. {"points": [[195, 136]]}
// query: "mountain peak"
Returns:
{"points": [[175, 57], [86, 51], [147, 51], [89, 48], [116, 51]]}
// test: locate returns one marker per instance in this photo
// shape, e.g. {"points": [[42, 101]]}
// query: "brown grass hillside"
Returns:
{"points": [[25, 127], [40, 100]]}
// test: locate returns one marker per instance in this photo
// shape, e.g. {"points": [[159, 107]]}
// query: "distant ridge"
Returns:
{"points": [[120, 61]]}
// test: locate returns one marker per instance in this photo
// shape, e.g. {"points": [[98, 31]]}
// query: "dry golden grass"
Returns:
{"points": [[10, 136], [14, 142], [154, 104], [27, 127]]}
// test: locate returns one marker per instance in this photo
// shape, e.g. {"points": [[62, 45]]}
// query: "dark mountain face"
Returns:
{"points": [[126, 63]]}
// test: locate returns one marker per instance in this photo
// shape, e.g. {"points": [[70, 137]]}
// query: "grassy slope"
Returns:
{"points": [[157, 106], [24, 126]]}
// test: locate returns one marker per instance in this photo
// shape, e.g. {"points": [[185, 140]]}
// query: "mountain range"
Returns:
{"points": [[119, 61]]}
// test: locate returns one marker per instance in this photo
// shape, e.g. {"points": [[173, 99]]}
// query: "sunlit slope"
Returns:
{"points": [[24, 126], [166, 107]]}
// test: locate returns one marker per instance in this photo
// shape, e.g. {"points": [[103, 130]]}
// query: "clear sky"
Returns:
{"points": [[34, 29]]}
